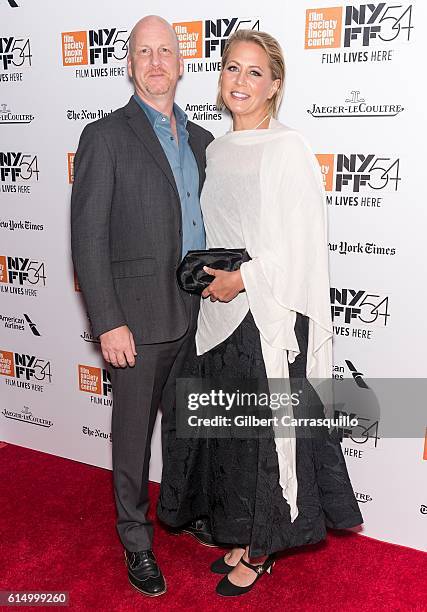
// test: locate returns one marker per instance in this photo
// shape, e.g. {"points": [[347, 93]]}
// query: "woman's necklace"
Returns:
{"points": [[257, 126], [261, 122]]}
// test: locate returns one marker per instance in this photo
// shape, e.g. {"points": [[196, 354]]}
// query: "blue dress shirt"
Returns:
{"points": [[185, 171]]}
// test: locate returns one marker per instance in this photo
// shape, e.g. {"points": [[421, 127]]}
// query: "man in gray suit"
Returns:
{"points": [[135, 213]]}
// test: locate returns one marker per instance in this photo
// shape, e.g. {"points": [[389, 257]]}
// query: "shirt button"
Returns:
{"points": [[194, 223], [171, 137], [163, 118], [188, 194]]}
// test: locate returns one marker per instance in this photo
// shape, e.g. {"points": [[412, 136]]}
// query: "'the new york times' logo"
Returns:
{"points": [[96, 433], [358, 306], [358, 25], [207, 39], [22, 271], [358, 171], [94, 47], [17, 166], [14, 52]]}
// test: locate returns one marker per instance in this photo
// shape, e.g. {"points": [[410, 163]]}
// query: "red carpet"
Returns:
{"points": [[58, 534]]}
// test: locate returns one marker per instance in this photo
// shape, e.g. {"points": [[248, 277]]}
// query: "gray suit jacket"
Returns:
{"points": [[126, 233]]}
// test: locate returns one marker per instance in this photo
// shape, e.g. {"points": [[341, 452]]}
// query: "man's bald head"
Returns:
{"points": [[154, 61], [151, 21]]}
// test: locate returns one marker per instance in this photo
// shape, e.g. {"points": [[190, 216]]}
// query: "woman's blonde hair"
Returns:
{"points": [[275, 60]]}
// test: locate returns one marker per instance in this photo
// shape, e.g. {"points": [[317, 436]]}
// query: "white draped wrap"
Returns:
{"points": [[288, 272]]}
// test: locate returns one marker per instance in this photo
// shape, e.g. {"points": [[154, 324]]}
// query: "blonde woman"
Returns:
{"points": [[270, 319]]}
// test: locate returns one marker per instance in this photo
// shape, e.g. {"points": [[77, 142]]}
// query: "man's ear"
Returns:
{"points": [[129, 66]]}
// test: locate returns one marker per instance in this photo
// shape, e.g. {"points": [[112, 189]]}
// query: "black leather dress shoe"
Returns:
{"points": [[144, 573], [199, 529]]}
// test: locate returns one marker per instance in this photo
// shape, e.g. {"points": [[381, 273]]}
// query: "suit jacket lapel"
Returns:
{"points": [[140, 124]]}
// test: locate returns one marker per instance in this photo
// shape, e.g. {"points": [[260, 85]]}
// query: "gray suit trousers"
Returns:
{"points": [[138, 392]]}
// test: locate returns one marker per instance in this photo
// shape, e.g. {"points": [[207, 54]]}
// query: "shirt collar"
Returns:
{"points": [[156, 118]]}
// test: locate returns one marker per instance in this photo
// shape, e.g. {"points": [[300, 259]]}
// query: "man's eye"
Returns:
{"points": [[145, 51], [165, 50]]}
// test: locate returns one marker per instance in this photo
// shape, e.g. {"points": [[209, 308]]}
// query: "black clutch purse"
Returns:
{"points": [[190, 274]]}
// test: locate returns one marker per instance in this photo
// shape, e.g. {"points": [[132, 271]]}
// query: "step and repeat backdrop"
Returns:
{"points": [[353, 88]]}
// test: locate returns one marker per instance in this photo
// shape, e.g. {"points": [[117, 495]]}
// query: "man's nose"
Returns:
{"points": [[155, 59]]}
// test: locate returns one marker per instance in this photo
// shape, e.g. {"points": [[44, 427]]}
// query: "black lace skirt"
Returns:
{"points": [[235, 481]]}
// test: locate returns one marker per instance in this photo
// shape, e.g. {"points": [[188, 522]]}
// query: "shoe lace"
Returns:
{"points": [[143, 561]]}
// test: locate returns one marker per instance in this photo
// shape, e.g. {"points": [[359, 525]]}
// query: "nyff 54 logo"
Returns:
{"points": [[359, 306], [14, 52], [357, 25], [357, 171], [16, 166], [205, 39], [25, 367], [94, 47], [21, 271]]}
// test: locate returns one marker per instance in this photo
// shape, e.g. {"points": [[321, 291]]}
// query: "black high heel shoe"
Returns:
{"points": [[221, 567], [228, 589]]}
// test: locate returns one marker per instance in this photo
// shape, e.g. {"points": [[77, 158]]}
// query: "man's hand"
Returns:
{"points": [[225, 286], [118, 347]]}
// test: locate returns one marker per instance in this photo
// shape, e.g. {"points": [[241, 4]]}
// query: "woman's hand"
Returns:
{"points": [[225, 286]]}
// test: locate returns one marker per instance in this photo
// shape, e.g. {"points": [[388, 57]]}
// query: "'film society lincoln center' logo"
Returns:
{"points": [[70, 166], [205, 40], [98, 49], [373, 29], [95, 381]]}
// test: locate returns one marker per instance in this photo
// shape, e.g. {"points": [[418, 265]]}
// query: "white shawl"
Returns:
{"points": [[288, 272]]}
